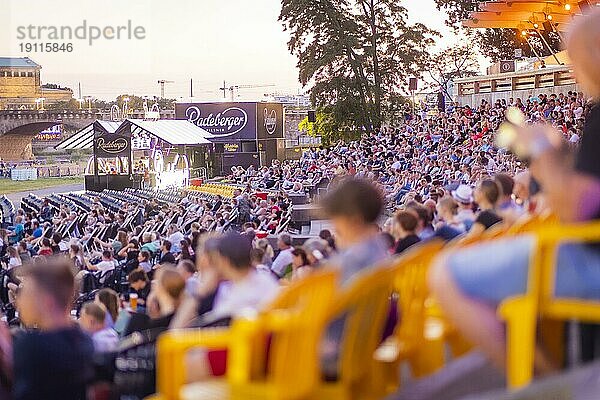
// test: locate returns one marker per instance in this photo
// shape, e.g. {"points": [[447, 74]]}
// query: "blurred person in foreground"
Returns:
{"points": [[470, 285], [354, 207], [53, 361], [244, 291], [93, 322]]}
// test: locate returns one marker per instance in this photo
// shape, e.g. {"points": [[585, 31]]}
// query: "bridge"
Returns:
{"points": [[19, 127]]}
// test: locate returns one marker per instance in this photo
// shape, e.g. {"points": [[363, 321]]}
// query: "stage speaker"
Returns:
{"points": [[412, 84], [312, 116], [441, 102]]}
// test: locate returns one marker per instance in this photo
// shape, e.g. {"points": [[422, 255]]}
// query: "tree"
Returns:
{"points": [[70, 105], [498, 43], [355, 55], [451, 63], [137, 103]]}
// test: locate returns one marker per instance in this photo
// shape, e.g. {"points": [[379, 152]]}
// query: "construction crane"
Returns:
{"points": [[233, 88], [162, 82]]}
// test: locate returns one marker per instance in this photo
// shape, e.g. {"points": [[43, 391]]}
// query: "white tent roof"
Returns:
{"points": [[173, 131], [83, 139]]}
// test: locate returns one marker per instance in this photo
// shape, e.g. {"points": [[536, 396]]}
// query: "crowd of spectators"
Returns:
{"points": [[438, 176], [96, 279]]}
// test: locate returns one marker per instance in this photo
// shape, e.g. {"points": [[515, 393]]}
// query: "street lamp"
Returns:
{"points": [[40, 101], [89, 101], [125, 108], [80, 103]]}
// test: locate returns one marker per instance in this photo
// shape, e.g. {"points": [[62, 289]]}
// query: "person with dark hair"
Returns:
{"points": [[55, 360], [56, 239], [45, 248], [144, 261], [282, 264], [46, 212], [405, 224], [93, 322], [166, 257], [138, 284], [187, 253], [187, 269], [506, 207], [110, 299], [244, 289], [424, 229], [131, 251], [486, 196], [300, 265], [326, 235], [24, 252], [505, 184], [36, 230], [247, 288], [354, 207]]}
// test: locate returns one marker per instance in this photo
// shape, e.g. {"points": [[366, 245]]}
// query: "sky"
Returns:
{"points": [[207, 41]]}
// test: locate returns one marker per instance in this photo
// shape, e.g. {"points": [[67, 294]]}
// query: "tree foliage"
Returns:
{"points": [[451, 63], [326, 127], [355, 56]]}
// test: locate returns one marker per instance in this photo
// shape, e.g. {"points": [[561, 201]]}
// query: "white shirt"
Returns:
{"points": [[146, 266], [254, 292], [104, 267], [175, 240], [464, 215], [14, 262], [191, 285], [105, 341], [281, 262]]}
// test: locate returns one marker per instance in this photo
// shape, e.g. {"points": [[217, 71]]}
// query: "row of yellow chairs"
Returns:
{"points": [[293, 327], [523, 313], [368, 370], [215, 189], [539, 312]]}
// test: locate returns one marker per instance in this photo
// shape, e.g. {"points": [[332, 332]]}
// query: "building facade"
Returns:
{"points": [[21, 87]]}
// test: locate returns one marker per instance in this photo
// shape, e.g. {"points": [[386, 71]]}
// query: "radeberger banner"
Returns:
{"points": [[111, 145]]}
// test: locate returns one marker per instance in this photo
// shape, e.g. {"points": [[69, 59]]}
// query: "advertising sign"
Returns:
{"points": [[110, 145], [269, 120], [227, 121], [50, 134]]}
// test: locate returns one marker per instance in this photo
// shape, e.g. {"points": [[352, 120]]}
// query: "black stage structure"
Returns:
{"points": [[143, 153]]}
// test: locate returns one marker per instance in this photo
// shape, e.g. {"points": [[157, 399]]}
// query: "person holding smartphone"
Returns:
{"points": [[470, 284]]}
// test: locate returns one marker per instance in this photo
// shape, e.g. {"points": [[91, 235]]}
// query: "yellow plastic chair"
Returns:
{"points": [[418, 338], [294, 323], [365, 305], [522, 312]]}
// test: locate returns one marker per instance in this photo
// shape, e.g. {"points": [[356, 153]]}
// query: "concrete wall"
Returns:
{"points": [[475, 99], [15, 147], [522, 84]]}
